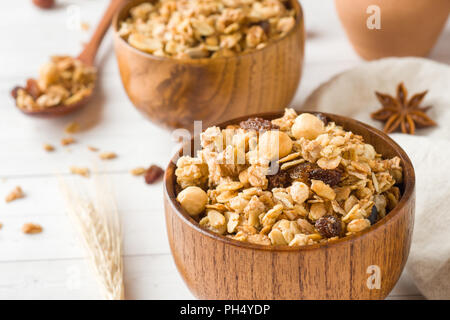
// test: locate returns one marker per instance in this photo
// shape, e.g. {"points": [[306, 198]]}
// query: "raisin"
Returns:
{"points": [[14, 91], [330, 177], [44, 4], [153, 174], [329, 226], [257, 124], [301, 172], [265, 25], [32, 88], [373, 215], [279, 180], [322, 117]]}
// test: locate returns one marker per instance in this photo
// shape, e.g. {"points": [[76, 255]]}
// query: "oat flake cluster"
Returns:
{"points": [[329, 182], [193, 29], [62, 81]]}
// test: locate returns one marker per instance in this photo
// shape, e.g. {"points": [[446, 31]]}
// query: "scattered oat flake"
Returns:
{"points": [[31, 228], [1, 225], [80, 171], [153, 174], [67, 141], [138, 171], [72, 127], [108, 155], [85, 26], [49, 147], [93, 149], [15, 194]]}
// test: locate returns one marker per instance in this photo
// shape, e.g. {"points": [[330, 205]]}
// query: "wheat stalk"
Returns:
{"points": [[99, 227]]}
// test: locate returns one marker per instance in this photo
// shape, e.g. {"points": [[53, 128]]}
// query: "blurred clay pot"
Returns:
{"points": [[408, 27]]}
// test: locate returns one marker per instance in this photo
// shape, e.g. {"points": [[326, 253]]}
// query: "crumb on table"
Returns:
{"points": [[31, 228], [16, 193]]}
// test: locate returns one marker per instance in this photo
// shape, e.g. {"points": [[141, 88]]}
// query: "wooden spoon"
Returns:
{"points": [[87, 56]]}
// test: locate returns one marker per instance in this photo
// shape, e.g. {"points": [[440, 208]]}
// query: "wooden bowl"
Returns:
{"points": [[216, 267], [174, 92]]}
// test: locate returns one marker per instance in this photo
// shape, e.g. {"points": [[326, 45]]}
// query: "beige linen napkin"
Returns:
{"points": [[352, 94]]}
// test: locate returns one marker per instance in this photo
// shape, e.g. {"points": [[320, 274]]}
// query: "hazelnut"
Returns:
{"points": [[274, 145], [193, 200], [307, 126], [44, 4]]}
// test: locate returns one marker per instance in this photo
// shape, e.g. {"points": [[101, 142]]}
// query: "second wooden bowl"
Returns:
{"points": [[174, 93], [362, 266]]}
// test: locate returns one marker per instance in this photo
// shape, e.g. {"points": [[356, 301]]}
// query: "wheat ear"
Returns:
{"points": [[99, 227]]}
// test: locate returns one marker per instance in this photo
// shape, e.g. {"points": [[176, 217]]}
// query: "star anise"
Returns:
{"points": [[402, 114]]}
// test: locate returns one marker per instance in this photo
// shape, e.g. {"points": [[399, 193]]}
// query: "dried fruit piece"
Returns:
{"points": [[44, 4], [373, 217], [31, 228], [16, 193], [322, 117], [32, 88], [330, 177], [153, 174], [329, 226], [279, 180], [301, 171], [14, 91], [258, 124]]}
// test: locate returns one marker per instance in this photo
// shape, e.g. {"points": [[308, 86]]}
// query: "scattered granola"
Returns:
{"points": [[139, 171], [62, 81], [49, 147], [194, 29], [67, 141], [1, 225], [84, 172], [85, 26], [31, 228], [15, 194], [329, 183], [107, 155], [93, 149], [153, 174], [402, 114], [72, 128]]}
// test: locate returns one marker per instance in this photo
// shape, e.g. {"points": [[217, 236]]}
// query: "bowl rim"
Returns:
{"points": [[115, 24], [408, 193]]}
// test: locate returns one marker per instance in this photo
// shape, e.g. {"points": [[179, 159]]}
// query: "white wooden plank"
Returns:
{"points": [[146, 277]]}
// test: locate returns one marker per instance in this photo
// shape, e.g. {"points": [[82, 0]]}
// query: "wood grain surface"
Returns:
{"points": [[174, 92], [216, 267]]}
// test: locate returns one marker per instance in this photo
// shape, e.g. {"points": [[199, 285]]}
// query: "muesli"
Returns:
{"points": [[296, 180], [194, 29], [62, 81]]}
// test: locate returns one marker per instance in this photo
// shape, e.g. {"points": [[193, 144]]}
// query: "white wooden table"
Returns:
{"points": [[51, 265]]}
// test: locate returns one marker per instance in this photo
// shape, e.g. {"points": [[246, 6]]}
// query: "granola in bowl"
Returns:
{"points": [[194, 29], [295, 180], [64, 80]]}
